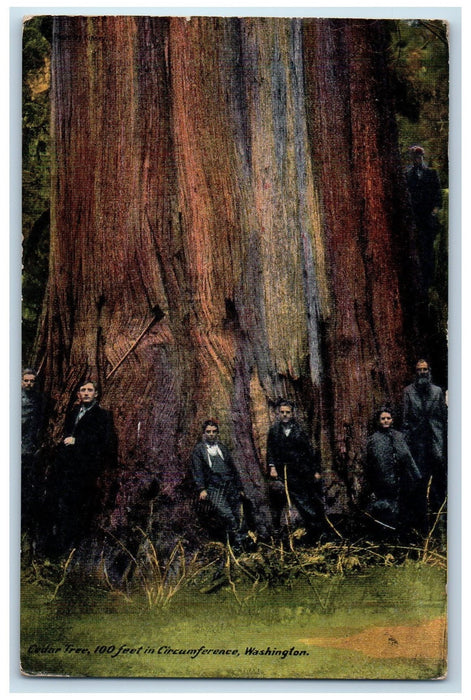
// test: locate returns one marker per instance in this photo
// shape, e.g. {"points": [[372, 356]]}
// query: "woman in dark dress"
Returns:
{"points": [[392, 477]]}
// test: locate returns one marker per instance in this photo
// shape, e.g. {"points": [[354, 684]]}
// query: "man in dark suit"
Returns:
{"points": [[80, 459], [294, 468], [32, 420], [218, 483], [426, 199], [424, 426]]}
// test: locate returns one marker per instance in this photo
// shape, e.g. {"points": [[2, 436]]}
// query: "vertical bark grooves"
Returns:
{"points": [[349, 342], [225, 230], [266, 56]]}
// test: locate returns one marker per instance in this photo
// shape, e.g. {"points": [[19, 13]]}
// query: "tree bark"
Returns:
{"points": [[224, 231]]}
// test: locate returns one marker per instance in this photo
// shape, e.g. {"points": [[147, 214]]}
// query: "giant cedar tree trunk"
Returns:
{"points": [[224, 231]]}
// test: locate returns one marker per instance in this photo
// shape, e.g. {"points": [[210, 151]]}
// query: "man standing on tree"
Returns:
{"points": [[424, 425], [218, 482], [293, 466], [426, 199], [81, 458]]}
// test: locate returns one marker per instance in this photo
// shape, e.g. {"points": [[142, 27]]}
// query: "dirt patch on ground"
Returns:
{"points": [[426, 641]]}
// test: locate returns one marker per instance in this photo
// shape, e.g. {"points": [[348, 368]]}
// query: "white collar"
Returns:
{"points": [[214, 450]]}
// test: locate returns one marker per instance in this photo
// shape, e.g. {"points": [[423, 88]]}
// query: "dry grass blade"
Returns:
{"points": [[65, 568], [429, 536]]}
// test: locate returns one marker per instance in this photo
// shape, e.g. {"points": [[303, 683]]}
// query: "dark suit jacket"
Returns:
{"points": [[294, 449], [93, 436], [425, 192], [203, 475], [424, 419], [74, 491], [32, 418]]}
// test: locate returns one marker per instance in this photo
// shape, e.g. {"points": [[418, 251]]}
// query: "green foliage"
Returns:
{"points": [[419, 59], [36, 172]]}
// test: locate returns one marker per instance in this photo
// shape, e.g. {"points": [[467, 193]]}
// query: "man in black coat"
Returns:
{"points": [[426, 199], [424, 425], [32, 413], [218, 482], [293, 468], [32, 419], [81, 458]]}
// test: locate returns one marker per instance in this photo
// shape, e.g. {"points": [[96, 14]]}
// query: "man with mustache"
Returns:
{"points": [[424, 425]]}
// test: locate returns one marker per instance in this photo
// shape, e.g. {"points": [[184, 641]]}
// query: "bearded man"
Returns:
{"points": [[424, 425]]}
